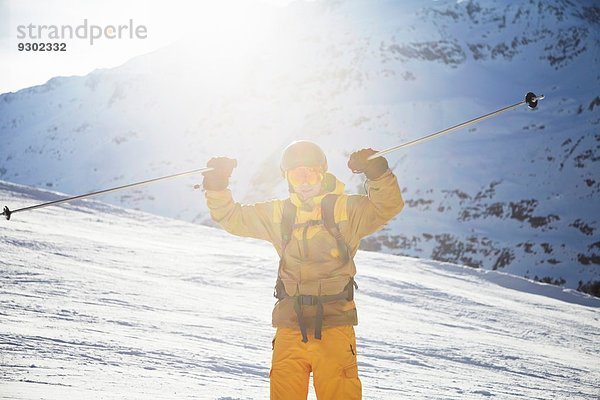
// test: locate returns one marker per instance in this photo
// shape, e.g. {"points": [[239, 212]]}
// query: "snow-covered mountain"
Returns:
{"points": [[519, 192], [99, 302]]}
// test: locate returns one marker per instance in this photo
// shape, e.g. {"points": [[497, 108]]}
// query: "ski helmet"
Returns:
{"points": [[303, 153]]}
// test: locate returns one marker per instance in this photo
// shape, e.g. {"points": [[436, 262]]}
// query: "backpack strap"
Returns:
{"points": [[288, 218], [327, 212]]}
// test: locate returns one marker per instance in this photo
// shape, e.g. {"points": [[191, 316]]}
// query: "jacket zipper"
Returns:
{"points": [[305, 240]]}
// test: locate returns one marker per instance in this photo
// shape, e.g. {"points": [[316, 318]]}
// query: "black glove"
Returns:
{"points": [[218, 178], [373, 169]]}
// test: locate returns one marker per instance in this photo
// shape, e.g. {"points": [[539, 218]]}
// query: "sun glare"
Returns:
{"points": [[225, 29]]}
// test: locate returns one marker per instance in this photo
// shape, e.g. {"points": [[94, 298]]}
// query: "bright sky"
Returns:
{"points": [[164, 20]]}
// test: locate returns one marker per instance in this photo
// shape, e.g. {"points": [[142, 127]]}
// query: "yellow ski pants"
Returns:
{"points": [[332, 361]]}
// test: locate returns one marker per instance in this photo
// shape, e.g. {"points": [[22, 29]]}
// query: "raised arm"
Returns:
{"points": [[255, 220], [252, 220], [368, 213]]}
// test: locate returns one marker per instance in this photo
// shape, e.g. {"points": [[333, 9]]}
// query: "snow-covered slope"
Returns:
{"points": [[98, 302], [518, 192]]}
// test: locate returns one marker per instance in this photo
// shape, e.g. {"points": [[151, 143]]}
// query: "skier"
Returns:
{"points": [[316, 232]]}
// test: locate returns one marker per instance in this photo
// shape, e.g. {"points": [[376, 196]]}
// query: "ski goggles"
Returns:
{"points": [[304, 175]]}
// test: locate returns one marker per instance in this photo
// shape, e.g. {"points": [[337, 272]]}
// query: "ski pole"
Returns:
{"points": [[7, 213], [530, 99]]}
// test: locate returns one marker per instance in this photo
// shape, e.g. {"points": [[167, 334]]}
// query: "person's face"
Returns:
{"points": [[306, 181], [306, 192]]}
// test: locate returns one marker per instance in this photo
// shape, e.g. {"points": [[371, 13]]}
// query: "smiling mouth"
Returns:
{"points": [[303, 192]]}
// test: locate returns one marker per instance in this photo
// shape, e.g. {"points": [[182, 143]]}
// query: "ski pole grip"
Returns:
{"points": [[532, 100], [6, 212]]}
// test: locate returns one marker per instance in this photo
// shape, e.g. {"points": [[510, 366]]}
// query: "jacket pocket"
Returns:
{"points": [[351, 371], [335, 285]]}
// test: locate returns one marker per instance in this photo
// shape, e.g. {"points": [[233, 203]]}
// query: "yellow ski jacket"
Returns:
{"points": [[311, 263]]}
